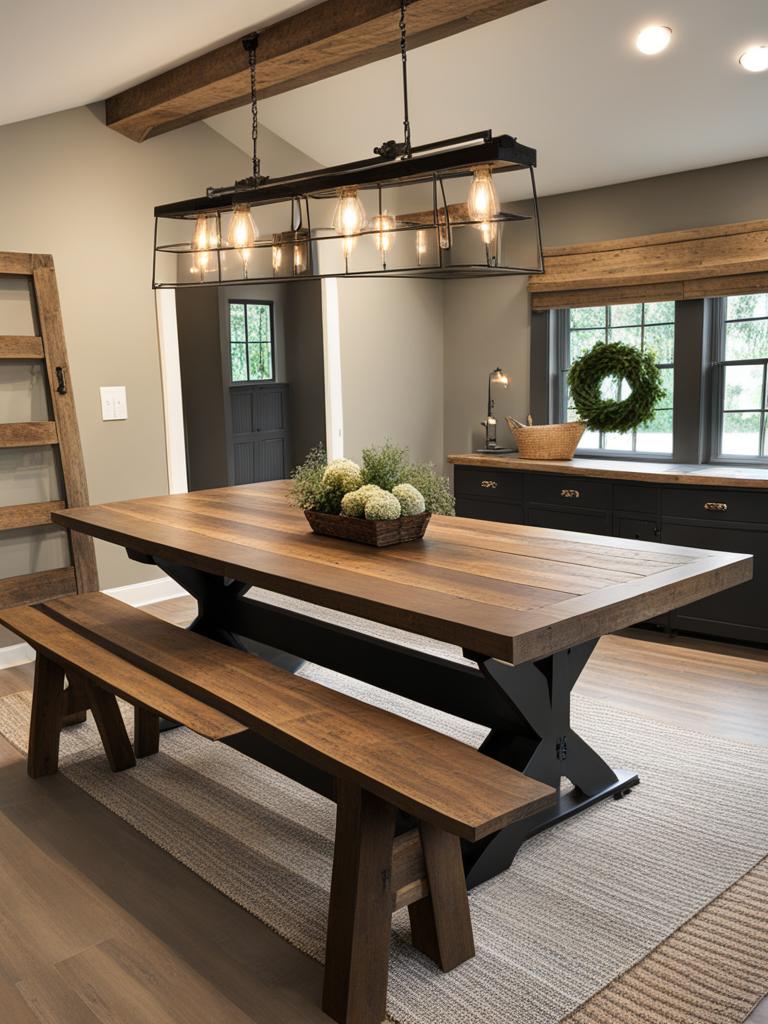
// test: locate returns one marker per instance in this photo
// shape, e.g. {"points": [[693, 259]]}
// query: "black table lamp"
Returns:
{"points": [[497, 376]]}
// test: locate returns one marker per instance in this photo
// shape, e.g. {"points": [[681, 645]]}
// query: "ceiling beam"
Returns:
{"points": [[317, 43]]}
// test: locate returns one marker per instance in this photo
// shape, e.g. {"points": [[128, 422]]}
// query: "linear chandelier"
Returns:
{"points": [[409, 211]]}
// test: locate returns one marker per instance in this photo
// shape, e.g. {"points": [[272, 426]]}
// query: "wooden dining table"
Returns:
{"points": [[525, 605]]}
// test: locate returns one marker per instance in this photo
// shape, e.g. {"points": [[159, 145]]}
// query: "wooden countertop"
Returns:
{"points": [[650, 472]]}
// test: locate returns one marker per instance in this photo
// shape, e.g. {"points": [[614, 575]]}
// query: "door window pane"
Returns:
{"points": [[239, 365], [251, 341]]}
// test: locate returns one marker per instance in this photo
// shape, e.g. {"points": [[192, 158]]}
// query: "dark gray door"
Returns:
{"points": [[259, 432]]}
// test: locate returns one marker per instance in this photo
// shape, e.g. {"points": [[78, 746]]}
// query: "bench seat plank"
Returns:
{"points": [[79, 655], [434, 777]]}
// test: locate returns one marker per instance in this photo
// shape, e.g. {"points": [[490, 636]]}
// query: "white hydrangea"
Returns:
{"points": [[353, 503], [382, 506], [343, 474], [411, 499]]}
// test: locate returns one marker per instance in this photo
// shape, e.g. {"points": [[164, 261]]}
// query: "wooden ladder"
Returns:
{"points": [[62, 432]]}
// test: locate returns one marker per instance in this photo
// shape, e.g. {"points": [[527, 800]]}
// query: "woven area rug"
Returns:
{"points": [[582, 905]]}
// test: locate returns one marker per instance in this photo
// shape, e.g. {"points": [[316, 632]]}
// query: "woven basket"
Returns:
{"points": [[550, 441], [379, 533]]}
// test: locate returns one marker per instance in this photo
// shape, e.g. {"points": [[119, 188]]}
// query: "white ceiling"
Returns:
{"points": [[57, 54], [564, 77]]}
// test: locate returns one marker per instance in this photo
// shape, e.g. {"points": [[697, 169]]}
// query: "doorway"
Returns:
{"points": [[252, 380]]}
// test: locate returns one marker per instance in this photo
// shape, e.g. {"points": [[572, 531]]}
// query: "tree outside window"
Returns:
{"points": [[742, 371], [251, 341]]}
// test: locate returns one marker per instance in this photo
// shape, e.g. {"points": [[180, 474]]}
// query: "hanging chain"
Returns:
{"points": [[390, 150], [250, 43], [404, 58]]}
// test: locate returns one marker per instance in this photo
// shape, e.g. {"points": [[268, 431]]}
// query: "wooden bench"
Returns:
{"points": [[372, 762]]}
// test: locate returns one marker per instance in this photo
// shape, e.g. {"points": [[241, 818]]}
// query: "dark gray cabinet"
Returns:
{"points": [[696, 516]]}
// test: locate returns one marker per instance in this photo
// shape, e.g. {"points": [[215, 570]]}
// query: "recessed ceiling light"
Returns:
{"points": [[653, 39], [755, 58]]}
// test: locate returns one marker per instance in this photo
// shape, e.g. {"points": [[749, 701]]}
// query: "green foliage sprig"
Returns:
{"points": [[620, 361], [385, 467], [309, 489]]}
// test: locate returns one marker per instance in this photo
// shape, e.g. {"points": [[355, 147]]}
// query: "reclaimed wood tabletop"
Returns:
{"points": [[507, 591]]}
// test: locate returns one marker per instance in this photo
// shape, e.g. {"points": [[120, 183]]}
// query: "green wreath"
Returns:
{"points": [[614, 359]]}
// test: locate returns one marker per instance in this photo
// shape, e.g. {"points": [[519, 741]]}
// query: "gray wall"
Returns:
{"points": [[392, 365], [202, 386], [304, 367], [487, 323]]}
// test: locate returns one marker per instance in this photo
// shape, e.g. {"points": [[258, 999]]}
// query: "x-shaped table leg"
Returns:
{"points": [[540, 742]]}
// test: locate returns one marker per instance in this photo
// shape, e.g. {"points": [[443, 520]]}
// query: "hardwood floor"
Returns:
{"points": [[99, 926]]}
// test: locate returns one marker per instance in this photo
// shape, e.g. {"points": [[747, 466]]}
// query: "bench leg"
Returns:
{"points": [[109, 721], [360, 912], [146, 732], [440, 923], [49, 704], [77, 704]]}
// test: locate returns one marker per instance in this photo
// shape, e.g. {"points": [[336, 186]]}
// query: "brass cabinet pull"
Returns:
{"points": [[489, 483], [715, 506], [567, 492]]}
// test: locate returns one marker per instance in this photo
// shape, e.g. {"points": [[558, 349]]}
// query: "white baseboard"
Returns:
{"points": [[135, 594], [148, 592], [16, 654]]}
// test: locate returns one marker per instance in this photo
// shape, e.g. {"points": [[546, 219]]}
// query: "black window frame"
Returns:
{"points": [[694, 430], [719, 323], [563, 331], [246, 303]]}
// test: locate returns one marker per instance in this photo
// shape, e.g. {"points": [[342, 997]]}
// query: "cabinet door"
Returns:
{"points": [[636, 529], [580, 520], [741, 612], [493, 511]]}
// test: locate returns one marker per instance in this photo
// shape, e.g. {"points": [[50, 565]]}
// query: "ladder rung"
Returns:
{"points": [[24, 435], [20, 346], [37, 586], [16, 263], [15, 517]]}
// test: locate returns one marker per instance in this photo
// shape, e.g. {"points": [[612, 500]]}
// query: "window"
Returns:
{"points": [[251, 341], [741, 369], [648, 326]]}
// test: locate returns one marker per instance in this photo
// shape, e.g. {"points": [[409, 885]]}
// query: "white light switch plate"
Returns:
{"points": [[114, 404]]}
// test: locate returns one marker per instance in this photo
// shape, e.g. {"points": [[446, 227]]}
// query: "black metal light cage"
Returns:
{"points": [[428, 234]]}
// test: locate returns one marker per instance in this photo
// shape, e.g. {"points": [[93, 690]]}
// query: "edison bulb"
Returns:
{"points": [[383, 226], [421, 244], [349, 215], [277, 253], [488, 230], [483, 200], [242, 231], [299, 257], [348, 243], [201, 261], [206, 235]]}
